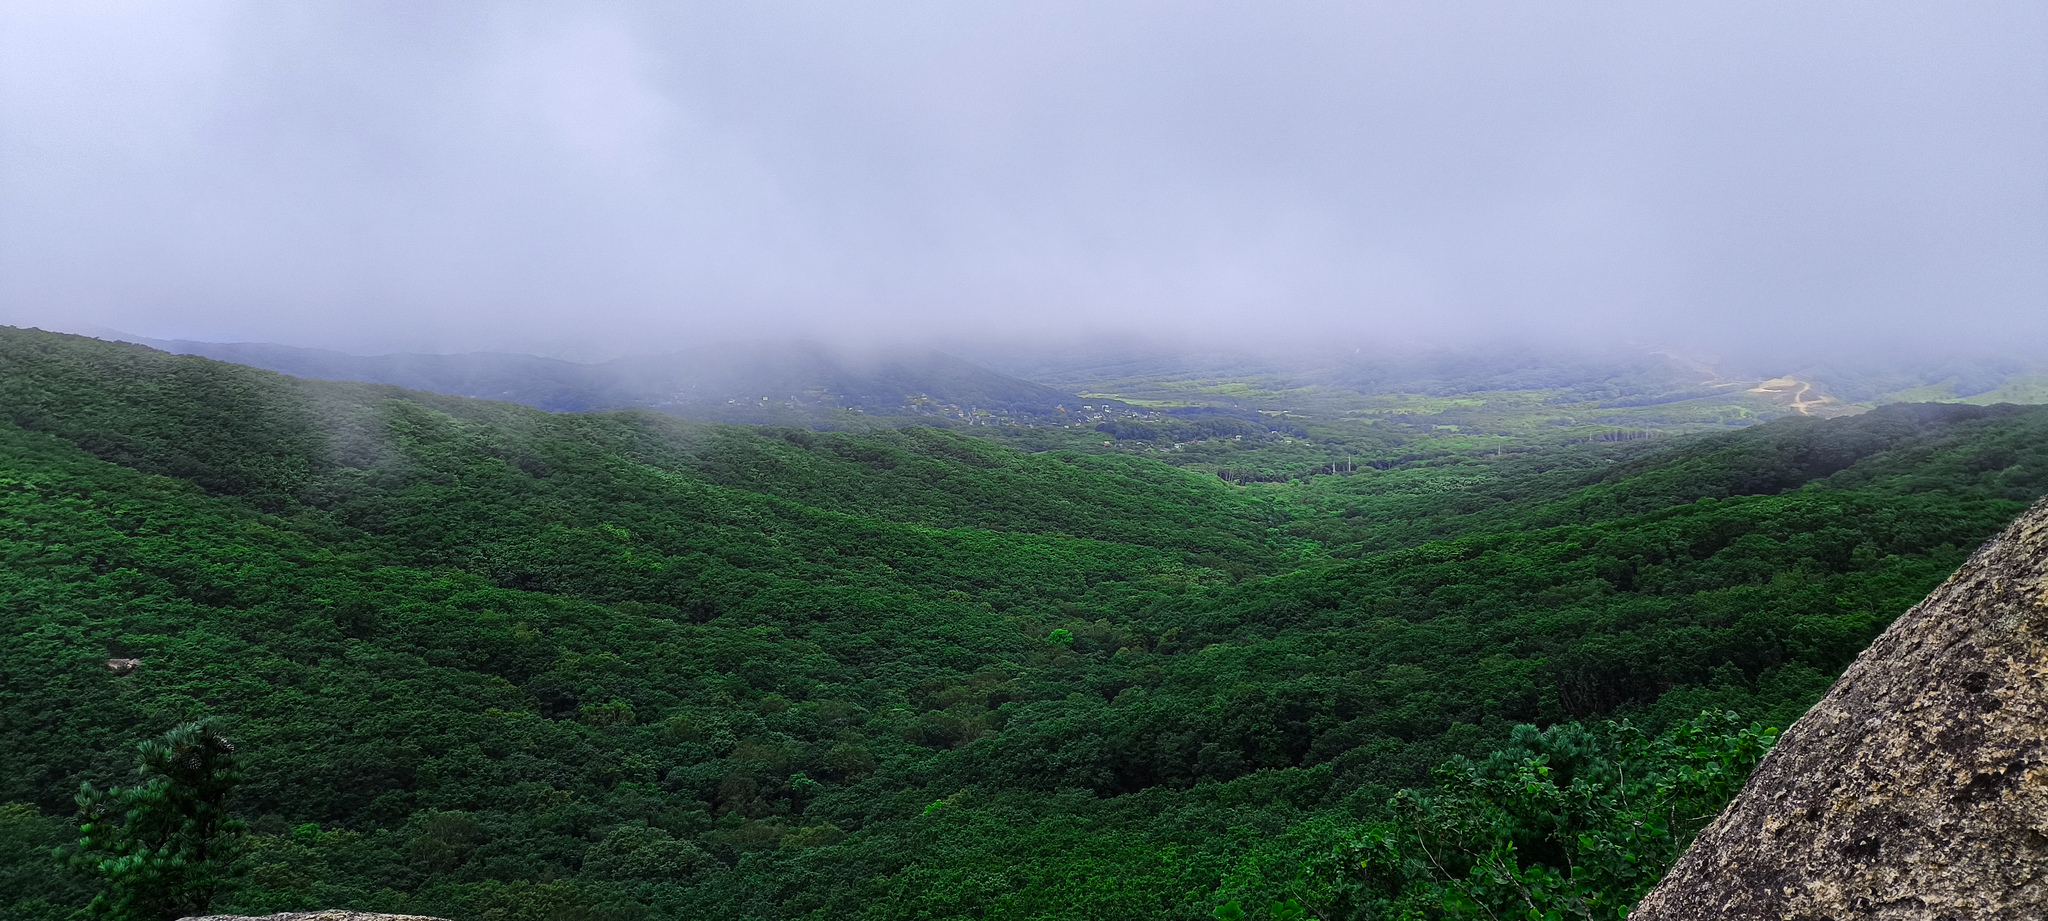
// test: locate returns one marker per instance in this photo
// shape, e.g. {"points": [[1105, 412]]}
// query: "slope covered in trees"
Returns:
{"points": [[484, 661]]}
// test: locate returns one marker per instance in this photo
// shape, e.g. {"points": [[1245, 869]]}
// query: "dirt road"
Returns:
{"points": [[1794, 388]]}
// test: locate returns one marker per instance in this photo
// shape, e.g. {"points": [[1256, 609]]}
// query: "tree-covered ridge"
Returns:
{"points": [[344, 447], [1979, 451], [484, 659]]}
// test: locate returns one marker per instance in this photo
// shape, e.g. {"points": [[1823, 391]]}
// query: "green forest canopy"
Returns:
{"points": [[484, 661]]}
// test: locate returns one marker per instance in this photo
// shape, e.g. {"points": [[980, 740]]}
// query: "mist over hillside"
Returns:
{"points": [[1021, 382], [794, 383]]}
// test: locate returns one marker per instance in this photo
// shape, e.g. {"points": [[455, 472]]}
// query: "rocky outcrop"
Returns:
{"points": [[332, 915], [1917, 789]]}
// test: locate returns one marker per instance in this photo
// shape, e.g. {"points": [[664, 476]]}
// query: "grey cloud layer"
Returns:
{"points": [[512, 175]]}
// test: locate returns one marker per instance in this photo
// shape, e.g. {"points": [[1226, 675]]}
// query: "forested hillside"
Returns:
{"points": [[483, 661]]}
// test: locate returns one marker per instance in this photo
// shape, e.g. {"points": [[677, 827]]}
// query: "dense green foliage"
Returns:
{"points": [[34, 884], [166, 847], [483, 661], [1568, 822]]}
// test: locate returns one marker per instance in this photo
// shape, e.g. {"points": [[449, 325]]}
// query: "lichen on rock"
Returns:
{"points": [[1917, 789]]}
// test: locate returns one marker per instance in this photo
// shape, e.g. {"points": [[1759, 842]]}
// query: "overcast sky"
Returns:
{"points": [[592, 176]]}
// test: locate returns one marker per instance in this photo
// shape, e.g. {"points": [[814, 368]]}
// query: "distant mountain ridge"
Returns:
{"points": [[789, 383]]}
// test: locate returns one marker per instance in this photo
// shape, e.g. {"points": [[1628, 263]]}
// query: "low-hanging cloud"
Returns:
{"points": [[613, 176]]}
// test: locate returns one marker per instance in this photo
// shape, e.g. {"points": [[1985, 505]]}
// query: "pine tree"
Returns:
{"points": [[162, 849]]}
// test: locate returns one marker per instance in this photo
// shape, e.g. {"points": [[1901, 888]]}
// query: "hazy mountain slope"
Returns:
{"points": [[1945, 445], [727, 382], [240, 431], [766, 382], [1879, 445], [546, 383]]}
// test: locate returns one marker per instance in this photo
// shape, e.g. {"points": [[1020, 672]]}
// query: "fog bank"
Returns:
{"points": [[594, 179]]}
